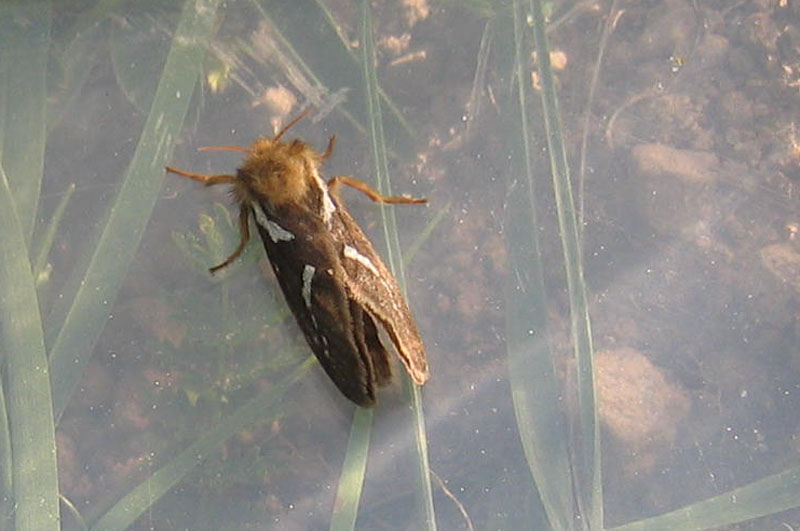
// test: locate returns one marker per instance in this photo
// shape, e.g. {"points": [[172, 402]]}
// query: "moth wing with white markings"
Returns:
{"points": [[372, 286], [340, 331]]}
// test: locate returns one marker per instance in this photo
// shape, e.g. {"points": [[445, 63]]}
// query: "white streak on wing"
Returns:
{"points": [[353, 254], [308, 275], [305, 292], [328, 208], [276, 232]]}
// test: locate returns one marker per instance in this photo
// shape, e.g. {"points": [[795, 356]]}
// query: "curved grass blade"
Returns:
{"points": [[351, 481], [30, 413], [771, 495], [134, 203], [535, 389], [25, 27], [261, 409], [587, 472]]}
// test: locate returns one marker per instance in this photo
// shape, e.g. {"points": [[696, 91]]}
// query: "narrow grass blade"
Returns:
{"points": [[261, 409], [131, 210], [25, 29], [340, 33], [423, 236], [587, 468], [611, 21], [395, 262], [41, 249], [535, 389], [6, 464], [30, 413], [773, 494], [351, 482]]}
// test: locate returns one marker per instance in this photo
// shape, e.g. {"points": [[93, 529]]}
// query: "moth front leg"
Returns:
{"points": [[361, 186]]}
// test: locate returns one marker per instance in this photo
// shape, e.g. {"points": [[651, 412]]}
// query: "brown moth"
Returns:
{"points": [[333, 280]]}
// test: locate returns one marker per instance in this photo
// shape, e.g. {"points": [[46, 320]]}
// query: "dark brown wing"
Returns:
{"points": [[343, 337], [371, 285]]}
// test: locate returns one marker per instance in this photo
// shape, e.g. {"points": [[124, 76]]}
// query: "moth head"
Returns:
{"points": [[275, 171]]}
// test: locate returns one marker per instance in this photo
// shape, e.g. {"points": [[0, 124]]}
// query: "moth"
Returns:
{"points": [[335, 283]]}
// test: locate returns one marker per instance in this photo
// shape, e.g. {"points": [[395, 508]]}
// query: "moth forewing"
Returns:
{"points": [[334, 282], [371, 285]]}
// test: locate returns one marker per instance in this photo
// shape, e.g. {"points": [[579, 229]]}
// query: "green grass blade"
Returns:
{"points": [[395, 262], [131, 210], [41, 248], [30, 413], [6, 463], [262, 409], [351, 481], [771, 495], [587, 465], [345, 42], [425, 234], [25, 30], [535, 389]]}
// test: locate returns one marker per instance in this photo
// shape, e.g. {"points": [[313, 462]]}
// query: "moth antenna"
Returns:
{"points": [[293, 122], [224, 148]]}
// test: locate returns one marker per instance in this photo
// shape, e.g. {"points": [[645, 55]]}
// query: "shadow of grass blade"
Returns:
{"points": [[25, 30], [134, 203], [262, 409], [586, 465], [30, 414], [351, 481], [771, 495]]}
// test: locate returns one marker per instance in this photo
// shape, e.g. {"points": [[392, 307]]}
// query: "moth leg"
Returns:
{"points": [[244, 230], [208, 180], [335, 182], [329, 149]]}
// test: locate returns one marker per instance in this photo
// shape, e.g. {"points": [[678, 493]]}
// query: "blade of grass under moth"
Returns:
{"points": [[30, 406], [770, 495], [41, 248], [395, 262], [351, 481], [534, 386], [25, 27], [131, 210], [261, 409], [586, 470]]}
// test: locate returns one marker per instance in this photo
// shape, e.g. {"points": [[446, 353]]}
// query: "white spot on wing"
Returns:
{"points": [[308, 275], [353, 254], [276, 232]]}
